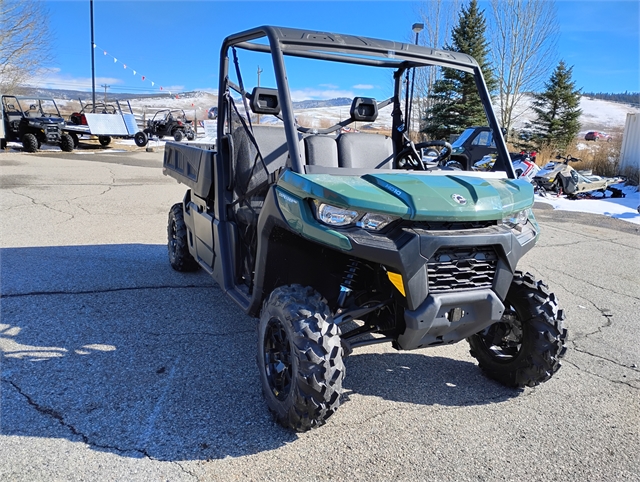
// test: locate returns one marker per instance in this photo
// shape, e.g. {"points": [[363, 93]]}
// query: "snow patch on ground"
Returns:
{"points": [[625, 208]]}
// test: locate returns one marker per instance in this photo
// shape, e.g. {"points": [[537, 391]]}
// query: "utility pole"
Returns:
{"points": [[259, 72], [93, 63], [105, 94]]}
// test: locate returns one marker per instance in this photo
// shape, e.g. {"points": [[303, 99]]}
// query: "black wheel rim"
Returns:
{"points": [[277, 359], [503, 340], [173, 239]]}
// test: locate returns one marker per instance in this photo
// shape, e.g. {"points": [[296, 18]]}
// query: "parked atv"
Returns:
{"points": [[167, 122], [33, 122], [336, 241], [560, 177]]}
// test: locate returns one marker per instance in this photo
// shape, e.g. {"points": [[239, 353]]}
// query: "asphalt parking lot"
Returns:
{"points": [[116, 367]]}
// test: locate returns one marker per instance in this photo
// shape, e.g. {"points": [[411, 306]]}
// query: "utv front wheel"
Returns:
{"points": [[525, 347], [29, 142], [179, 256], [66, 143], [299, 358]]}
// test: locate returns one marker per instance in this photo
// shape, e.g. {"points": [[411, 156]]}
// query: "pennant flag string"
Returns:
{"points": [[135, 72]]}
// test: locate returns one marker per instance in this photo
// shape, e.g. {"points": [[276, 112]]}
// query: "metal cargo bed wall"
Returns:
{"points": [[189, 165], [112, 124]]}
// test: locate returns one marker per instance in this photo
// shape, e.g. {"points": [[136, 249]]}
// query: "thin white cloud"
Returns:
{"points": [[330, 86], [52, 79], [363, 87], [319, 94]]}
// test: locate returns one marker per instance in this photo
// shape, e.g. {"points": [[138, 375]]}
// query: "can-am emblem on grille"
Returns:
{"points": [[459, 199]]}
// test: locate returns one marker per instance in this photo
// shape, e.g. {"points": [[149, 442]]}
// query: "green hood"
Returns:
{"points": [[416, 196]]}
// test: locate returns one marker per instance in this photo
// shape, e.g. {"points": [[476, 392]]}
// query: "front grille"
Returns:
{"points": [[466, 268], [451, 225]]}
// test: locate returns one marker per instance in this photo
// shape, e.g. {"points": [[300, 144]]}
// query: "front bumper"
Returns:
{"points": [[446, 318]]}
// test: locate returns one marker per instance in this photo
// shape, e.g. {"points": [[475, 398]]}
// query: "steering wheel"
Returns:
{"points": [[409, 158]]}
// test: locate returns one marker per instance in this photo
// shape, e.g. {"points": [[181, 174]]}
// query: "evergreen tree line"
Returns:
{"points": [[456, 102], [624, 97]]}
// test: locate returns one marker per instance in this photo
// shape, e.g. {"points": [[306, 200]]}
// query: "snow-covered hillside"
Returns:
{"points": [[596, 114]]}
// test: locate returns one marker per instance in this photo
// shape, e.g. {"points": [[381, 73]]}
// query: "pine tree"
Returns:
{"points": [[457, 102], [557, 110]]}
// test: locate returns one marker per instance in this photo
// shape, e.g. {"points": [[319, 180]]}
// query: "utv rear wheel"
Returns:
{"points": [[178, 135], [179, 256], [29, 143], [66, 143], [191, 135], [299, 358], [76, 139], [525, 347], [104, 140], [140, 139]]}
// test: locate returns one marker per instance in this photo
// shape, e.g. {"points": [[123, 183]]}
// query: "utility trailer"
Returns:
{"points": [[335, 241], [103, 120]]}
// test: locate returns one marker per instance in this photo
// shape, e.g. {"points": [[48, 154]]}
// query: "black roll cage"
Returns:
{"points": [[353, 50]]}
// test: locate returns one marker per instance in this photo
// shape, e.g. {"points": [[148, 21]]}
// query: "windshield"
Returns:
{"points": [[463, 137]]}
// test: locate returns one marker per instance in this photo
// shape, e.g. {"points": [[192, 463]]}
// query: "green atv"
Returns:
{"points": [[336, 240]]}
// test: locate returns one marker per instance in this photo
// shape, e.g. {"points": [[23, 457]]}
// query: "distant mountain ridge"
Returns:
{"points": [[63, 94], [313, 104]]}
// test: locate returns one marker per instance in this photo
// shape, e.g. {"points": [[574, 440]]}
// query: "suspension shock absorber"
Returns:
{"points": [[349, 279]]}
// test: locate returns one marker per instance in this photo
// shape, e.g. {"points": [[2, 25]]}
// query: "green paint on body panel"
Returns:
{"points": [[298, 214], [419, 196]]}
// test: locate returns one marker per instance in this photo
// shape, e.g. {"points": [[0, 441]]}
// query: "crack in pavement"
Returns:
{"points": [[50, 412], [595, 238], [186, 471], [598, 375], [110, 290], [36, 203], [590, 284], [609, 321]]}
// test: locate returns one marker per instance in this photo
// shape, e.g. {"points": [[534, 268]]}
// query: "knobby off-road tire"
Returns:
{"points": [[525, 347], [76, 139], [178, 135], [66, 143], [299, 358], [177, 246], [29, 142], [191, 135]]}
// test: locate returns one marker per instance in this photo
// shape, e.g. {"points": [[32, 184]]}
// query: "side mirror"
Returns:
{"points": [[364, 109], [264, 101]]}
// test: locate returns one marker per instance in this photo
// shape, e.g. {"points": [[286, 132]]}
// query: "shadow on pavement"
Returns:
{"points": [[107, 345]]}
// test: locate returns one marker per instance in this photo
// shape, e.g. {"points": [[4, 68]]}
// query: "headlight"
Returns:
{"points": [[335, 216], [516, 220], [374, 222]]}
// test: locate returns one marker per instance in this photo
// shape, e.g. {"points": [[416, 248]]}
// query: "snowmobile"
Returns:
{"points": [[561, 178]]}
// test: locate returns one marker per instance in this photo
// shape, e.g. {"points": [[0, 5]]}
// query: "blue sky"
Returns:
{"points": [[175, 44]]}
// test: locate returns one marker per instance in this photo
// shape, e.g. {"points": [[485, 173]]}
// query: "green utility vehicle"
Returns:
{"points": [[339, 240]]}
